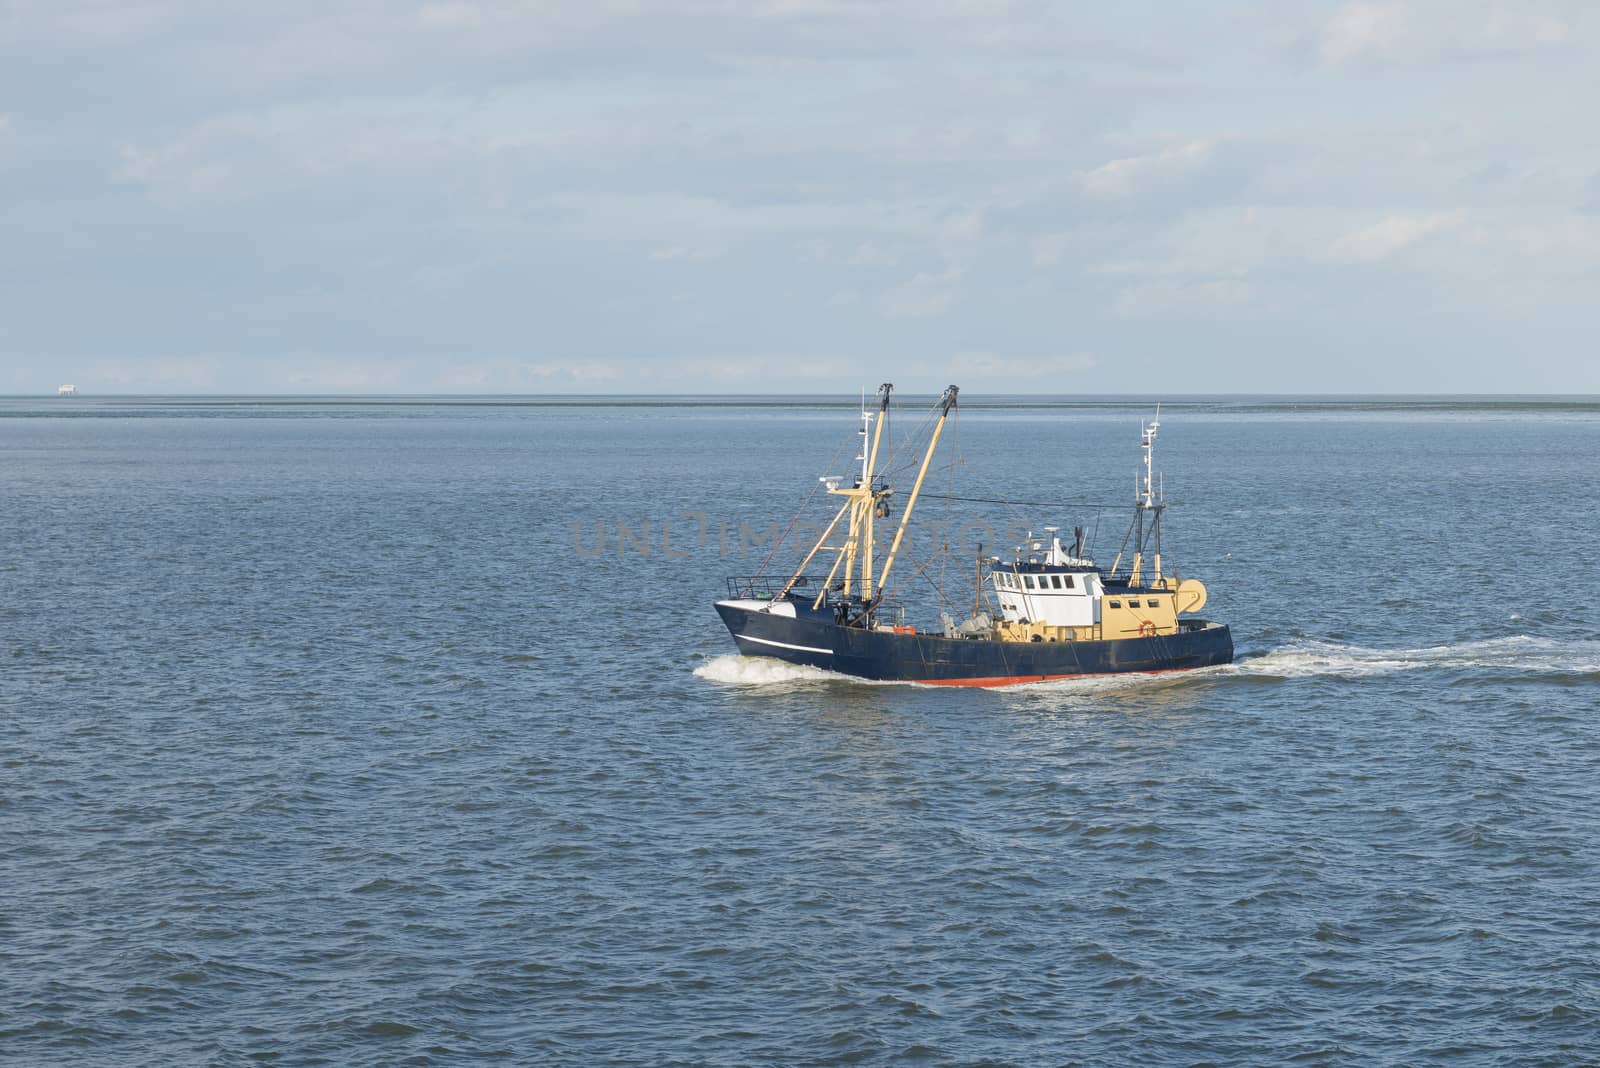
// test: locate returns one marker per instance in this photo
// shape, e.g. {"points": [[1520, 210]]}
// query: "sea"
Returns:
{"points": [[402, 731]]}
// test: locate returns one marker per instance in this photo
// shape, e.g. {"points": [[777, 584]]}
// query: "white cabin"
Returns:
{"points": [[1054, 597], [1051, 587]]}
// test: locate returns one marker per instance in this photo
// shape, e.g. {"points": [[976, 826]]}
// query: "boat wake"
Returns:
{"points": [[1518, 656]]}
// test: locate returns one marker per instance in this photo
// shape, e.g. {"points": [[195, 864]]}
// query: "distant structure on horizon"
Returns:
{"points": [[66, 391]]}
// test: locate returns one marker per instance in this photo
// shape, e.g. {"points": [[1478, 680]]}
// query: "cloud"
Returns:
{"points": [[600, 374], [496, 376], [161, 374], [922, 295], [1362, 30], [686, 253], [1418, 30], [1207, 298], [751, 372], [986, 366], [870, 254], [490, 194], [344, 376], [1132, 174], [1050, 249], [1589, 195], [1394, 234]]}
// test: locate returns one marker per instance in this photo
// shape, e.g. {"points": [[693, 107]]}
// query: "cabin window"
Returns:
{"points": [[1028, 580], [1133, 604], [1152, 604], [1116, 604], [1068, 580], [1055, 580]]}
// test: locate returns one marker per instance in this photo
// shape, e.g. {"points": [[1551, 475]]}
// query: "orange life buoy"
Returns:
{"points": [[1147, 629]]}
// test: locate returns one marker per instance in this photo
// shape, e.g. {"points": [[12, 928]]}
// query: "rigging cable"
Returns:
{"points": [[784, 536], [1028, 504]]}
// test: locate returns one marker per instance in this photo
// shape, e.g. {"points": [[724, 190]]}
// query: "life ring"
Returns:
{"points": [[1147, 629]]}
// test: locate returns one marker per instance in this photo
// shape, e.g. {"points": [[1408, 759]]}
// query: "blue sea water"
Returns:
{"points": [[373, 731]]}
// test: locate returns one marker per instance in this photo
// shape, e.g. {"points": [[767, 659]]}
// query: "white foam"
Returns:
{"points": [[735, 670], [1520, 653], [1089, 685]]}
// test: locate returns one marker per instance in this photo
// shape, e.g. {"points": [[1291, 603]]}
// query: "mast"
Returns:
{"points": [[947, 402], [1146, 498], [868, 471], [862, 501]]}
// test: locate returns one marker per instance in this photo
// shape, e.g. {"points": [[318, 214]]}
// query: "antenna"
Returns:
{"points": [[1147, 442], [866, 435]]}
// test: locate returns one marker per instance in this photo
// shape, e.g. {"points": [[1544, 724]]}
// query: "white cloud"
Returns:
{"points": [[1392, 235], [881, 176], [1207, 298], [1050, 249], [752, 371], [922, 295], [1416, 30], [1019, 368], [575, 374], [1360, 30], [155, 375], [1131, 174], [868, 254], [686, 252], [344, 376]]}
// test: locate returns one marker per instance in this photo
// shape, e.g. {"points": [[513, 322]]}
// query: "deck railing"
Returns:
{"points": [[766, 587]]}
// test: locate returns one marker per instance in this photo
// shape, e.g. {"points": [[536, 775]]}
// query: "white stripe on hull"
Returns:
{"points": [[784, 645]]}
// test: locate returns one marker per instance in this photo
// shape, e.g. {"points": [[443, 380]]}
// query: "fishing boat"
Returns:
{"points": [[1046, 613]]}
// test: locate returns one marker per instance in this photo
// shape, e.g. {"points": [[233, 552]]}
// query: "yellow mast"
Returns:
{"points": [[863, 500], [947, 403]]}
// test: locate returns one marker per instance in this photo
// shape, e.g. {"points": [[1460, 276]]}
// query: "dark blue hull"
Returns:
{"points": [[814, 639]]}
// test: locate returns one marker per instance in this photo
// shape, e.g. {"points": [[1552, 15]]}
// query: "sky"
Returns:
{"points": [[752, 196]]}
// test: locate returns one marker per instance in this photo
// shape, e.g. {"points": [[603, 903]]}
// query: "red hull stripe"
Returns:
{"points": [[1015, 680]]}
